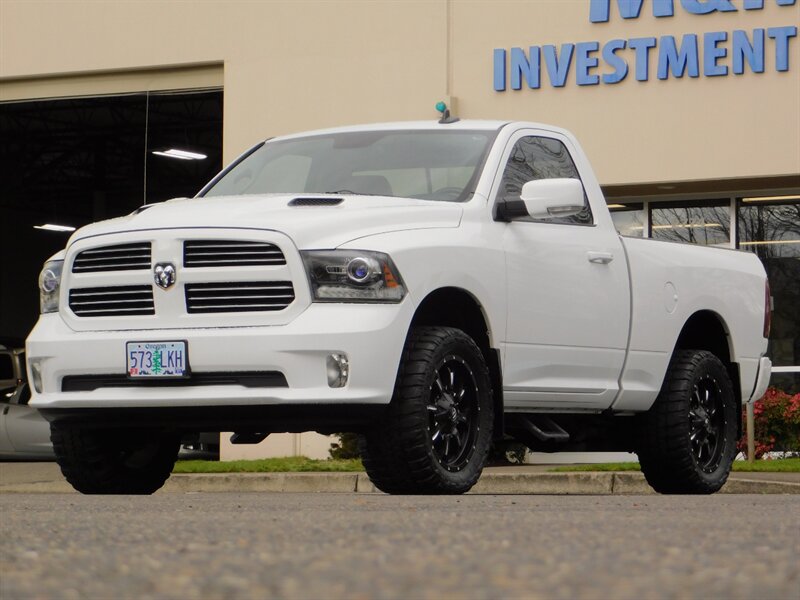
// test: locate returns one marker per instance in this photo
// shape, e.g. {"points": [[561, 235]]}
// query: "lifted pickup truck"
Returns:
{"points": [[432, 286]]}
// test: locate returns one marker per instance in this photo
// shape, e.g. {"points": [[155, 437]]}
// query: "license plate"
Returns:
{"points": [[157, 359]]}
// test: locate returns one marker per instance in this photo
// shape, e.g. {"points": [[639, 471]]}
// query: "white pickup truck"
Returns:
{"points": [[433, 286]]}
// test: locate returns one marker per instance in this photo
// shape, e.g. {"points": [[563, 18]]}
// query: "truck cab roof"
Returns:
{"points": [[463, 124]]}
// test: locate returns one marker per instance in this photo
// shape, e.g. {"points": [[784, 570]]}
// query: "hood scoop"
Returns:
{"points": [[316, 201]]}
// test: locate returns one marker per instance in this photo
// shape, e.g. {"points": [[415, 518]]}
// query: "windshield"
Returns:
{"points": [[430, 165]]}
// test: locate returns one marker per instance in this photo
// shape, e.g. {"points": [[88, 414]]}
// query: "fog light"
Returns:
{"points": [[338, 369], [36, 376]]}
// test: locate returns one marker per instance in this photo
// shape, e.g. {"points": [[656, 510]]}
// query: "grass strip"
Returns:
{"points": [[776, 465], [292, 464], [301, 464]]}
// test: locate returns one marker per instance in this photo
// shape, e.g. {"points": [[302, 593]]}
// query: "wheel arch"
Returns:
{"points": [[707, 330], [457, 307]]}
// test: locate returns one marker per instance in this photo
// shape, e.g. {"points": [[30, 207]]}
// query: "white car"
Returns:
{"points": [[24, 433], [433, 286]]}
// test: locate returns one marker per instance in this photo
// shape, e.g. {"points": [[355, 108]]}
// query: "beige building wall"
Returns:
{"points": [[309, 444], [288, 66], [673, 130], [299, 65]]}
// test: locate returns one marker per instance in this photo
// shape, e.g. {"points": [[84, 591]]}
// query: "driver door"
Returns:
{"points": [[568, 310]]}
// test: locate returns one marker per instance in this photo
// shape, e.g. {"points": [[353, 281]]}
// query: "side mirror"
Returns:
{"points": [[549, 198]]}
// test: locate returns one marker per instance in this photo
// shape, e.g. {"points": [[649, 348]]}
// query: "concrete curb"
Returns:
{"points": [[569, 483], [759, 486], [581, 483], [262, 482]]}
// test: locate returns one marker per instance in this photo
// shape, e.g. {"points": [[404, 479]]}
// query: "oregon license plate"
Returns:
{"points": [[157, 359]]}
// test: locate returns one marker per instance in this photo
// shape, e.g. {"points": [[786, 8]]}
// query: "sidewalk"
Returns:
{"points": [[522, 479]]}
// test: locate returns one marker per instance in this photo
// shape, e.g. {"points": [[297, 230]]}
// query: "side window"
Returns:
{"points": [[540, 158]]}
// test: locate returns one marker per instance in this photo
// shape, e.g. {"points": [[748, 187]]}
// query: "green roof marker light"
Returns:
{"points": [[446, 118]]}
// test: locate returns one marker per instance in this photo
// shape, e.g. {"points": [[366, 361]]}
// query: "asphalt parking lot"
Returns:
{"points": [[240, 545]]}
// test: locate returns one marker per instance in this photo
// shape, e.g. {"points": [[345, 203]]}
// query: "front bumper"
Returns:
{"points": [[372, 336]]}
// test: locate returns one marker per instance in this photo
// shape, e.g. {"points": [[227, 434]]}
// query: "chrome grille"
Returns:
{"points": [[230, 253], [121, 257], [119, 301], [239, 296]]}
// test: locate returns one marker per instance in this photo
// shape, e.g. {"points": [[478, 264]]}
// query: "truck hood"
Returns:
{"points": [[309, 226]]}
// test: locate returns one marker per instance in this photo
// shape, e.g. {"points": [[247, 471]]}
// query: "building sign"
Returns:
{"points": [[710, 54]]}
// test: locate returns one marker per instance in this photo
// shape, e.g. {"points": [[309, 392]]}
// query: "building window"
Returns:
{"points": [[692, 222], [629, 218], [770, 228]]}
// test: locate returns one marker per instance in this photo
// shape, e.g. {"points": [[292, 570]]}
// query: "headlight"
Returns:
{"points": [[49, 286], [353, 276]]}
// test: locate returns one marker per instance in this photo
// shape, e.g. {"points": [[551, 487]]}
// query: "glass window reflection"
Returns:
{"points": [[628, 218], [772, 231], [706, 223]]}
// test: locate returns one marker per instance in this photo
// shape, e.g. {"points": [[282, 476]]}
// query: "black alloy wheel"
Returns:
{"points": [[707, 423], [687, 440], [453, 419], [437, 430]]}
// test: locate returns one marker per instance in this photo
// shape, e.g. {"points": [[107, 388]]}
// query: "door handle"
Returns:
{"points": [[600, 258]]}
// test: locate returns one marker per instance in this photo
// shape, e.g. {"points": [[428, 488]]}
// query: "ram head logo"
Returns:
{"points": [[164, 275]]}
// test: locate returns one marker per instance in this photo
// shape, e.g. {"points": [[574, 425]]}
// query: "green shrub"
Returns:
{"points": [[777, 424], [347, 447], [507, 452]]}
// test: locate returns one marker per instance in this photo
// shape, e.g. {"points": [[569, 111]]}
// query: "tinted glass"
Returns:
{"points": [[628, 219], [772, 231], [429, 165], [706, 223], [535, 158]]}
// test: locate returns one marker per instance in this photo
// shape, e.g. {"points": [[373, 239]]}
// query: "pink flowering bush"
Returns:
{"points": [[777, 424]]}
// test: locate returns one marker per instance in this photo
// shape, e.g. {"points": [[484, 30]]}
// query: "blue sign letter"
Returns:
{"points": [[522, 69], [759, 4], [642, 47], [781, 36], [599, 9], [743, 49], [703, 7], [584, 62], [629, 9], [558, 67], [611, 58], [712, 53], [499, 70], [668, 56]]}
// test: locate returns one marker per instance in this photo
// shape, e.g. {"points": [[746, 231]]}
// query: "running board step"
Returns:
{"points": [[248, 438], [544, 429]]}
